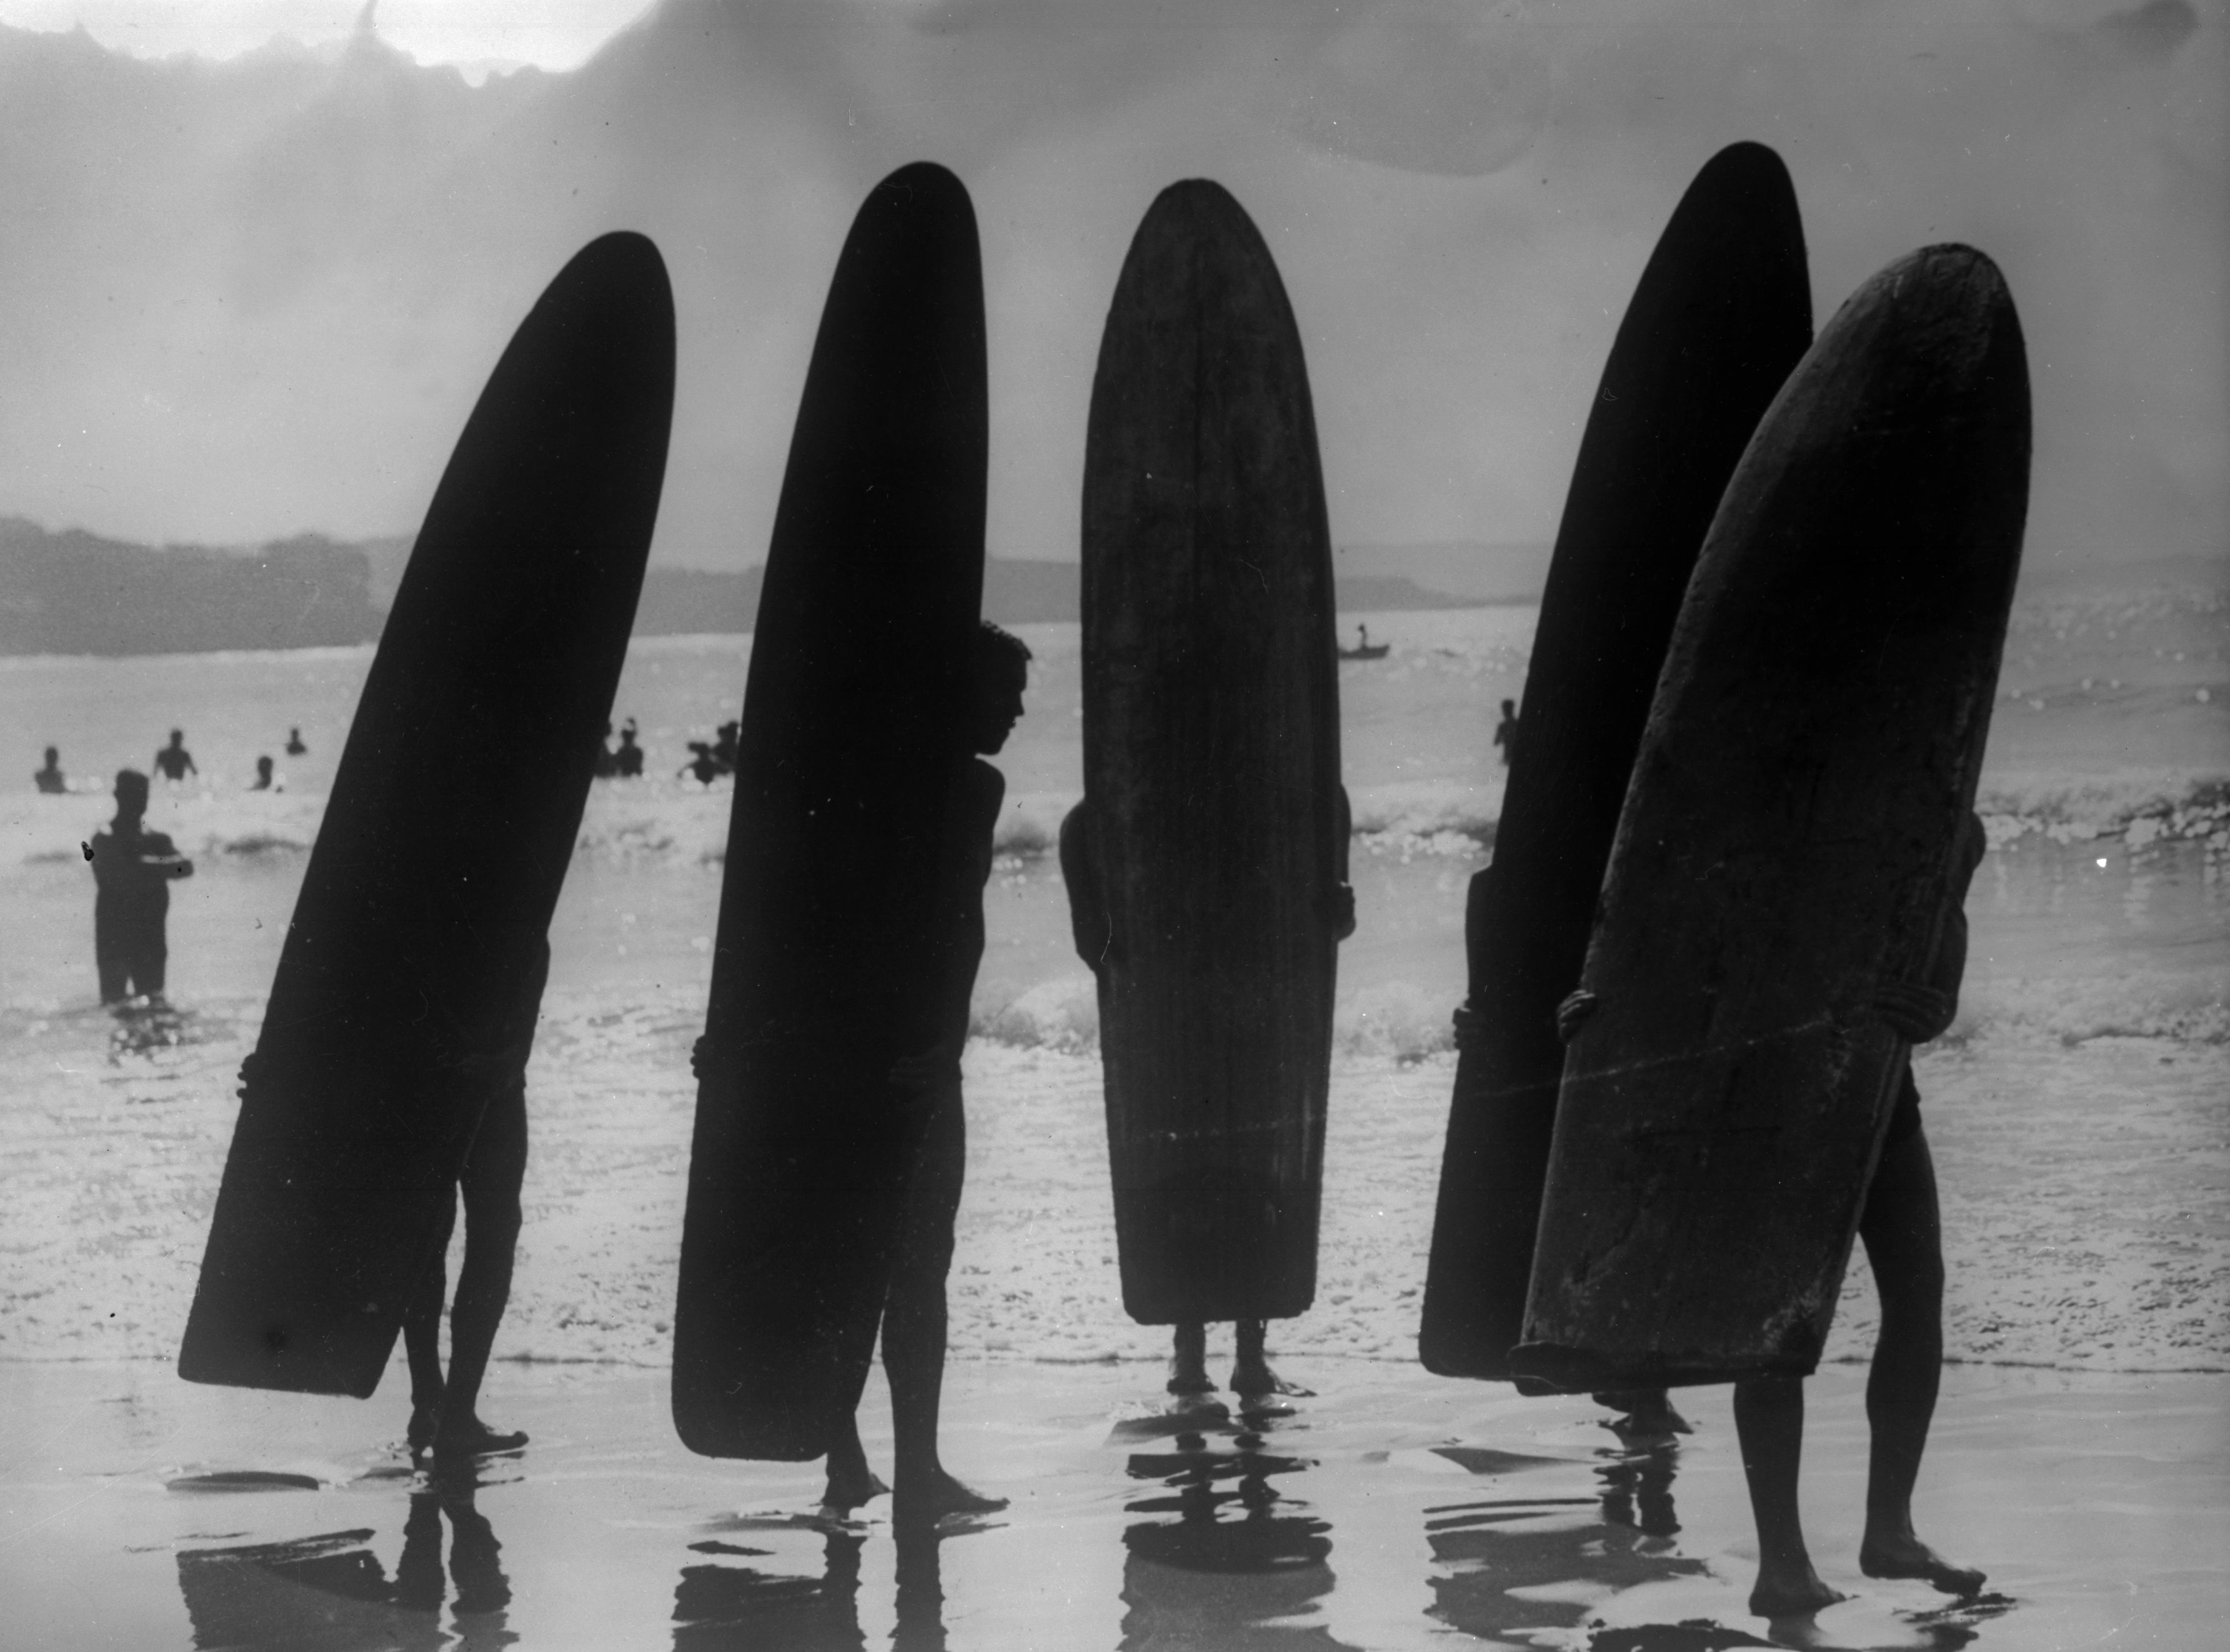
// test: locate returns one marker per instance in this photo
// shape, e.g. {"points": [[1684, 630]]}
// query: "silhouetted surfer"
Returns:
{"points": [[444, 1411], [132, 873], [627, 760], [294, 746], [174, 762], [913, 1316], [1904, 1248], [1252, 1378], [50, 779], [1506, 732]]}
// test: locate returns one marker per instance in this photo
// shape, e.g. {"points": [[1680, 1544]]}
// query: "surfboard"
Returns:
{"points": [[411, 971], [1722, 313], [1786, 846], [1211, 761], [827, 934]]}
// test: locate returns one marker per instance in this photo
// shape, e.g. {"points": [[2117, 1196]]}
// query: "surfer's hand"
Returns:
{"points": [[934, 1069], [1914, 1010], [1470, 1027], [1573, 1011], [1340, 909]]}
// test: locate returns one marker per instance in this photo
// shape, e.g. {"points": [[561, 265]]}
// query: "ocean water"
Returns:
{"points": [[2075, 1106]]}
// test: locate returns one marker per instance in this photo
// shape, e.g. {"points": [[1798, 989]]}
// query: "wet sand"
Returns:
{"points": [[1393, 1510]]}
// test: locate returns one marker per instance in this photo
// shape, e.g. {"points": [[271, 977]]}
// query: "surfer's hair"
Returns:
{"points": [[995, 645]]}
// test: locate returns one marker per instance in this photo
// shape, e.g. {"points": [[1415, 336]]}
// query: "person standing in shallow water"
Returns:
{"points": [[1252, 1378], [1506, 732], [445, 1408], [1900, 1226], [50, 779], [914, 1315], [174, 762], [132, 869]]}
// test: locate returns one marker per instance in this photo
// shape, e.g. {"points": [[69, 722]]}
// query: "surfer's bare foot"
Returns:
{"points": [[924, 1500], [470, 1437], [1796, 1593], [846, 1492], [1644, 1411], [1908, 1557], [1254, 1380]]}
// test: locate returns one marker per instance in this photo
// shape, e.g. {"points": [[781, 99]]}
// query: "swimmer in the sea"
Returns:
{"points": [[707, 767], [294, 746], [50, 779], [1506, 732], [174, 762], [266, 779], [1904, 1248], [913, 1308], [724, 747], [132, 870], [627, 760], [1253, 1379]]}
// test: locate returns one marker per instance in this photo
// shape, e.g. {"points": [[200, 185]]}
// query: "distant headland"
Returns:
{"points": [[69, 591]]}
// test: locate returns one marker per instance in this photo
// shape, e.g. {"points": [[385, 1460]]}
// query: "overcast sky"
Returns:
{"points": [[243, 298]]}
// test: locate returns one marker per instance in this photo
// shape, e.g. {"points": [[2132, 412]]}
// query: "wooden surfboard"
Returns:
{"points": [[1786, 847], [1722, 313], [1211, 759], [874, 575], [412, 970]]}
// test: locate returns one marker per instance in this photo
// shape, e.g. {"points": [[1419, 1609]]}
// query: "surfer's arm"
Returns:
{"points": [[1341, 901], [1917, 1011], [1088, 908]]}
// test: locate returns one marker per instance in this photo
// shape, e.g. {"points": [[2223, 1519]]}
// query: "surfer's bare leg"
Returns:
{"points": [[1769, 1423], [1904, 1246], [1188, 1361], [493, 1171], [1251, 1376], [914, 1321], [422, 1341], [850, 1481]]}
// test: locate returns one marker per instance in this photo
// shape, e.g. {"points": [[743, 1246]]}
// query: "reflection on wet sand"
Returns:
{"points": [[1229, 1571], [330, 1593], [726, 1607], [1515, 1564]]}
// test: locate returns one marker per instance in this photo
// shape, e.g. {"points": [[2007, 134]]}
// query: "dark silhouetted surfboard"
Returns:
{"points": [[827, 930], [1722, 313], [1211, 757], [412, 972], [1786, 847]]}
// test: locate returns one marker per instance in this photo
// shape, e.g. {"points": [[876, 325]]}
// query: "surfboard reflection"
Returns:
{"points": [[331, 1593], [1239, 1563]]}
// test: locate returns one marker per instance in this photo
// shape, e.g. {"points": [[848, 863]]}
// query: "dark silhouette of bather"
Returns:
{"points": [[294, 746], [174, 762], [1506, 732], [132, 869], [265, 779], [50, 779], [627, 762]]}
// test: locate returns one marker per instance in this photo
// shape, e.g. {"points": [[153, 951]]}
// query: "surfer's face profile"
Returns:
{"points": [[997, 705]]}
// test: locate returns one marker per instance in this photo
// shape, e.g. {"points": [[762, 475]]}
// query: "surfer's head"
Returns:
{"points": [[131, 794], [998, 671]]}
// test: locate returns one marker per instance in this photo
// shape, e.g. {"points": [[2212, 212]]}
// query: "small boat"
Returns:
{"points": [[1364, 648]]}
